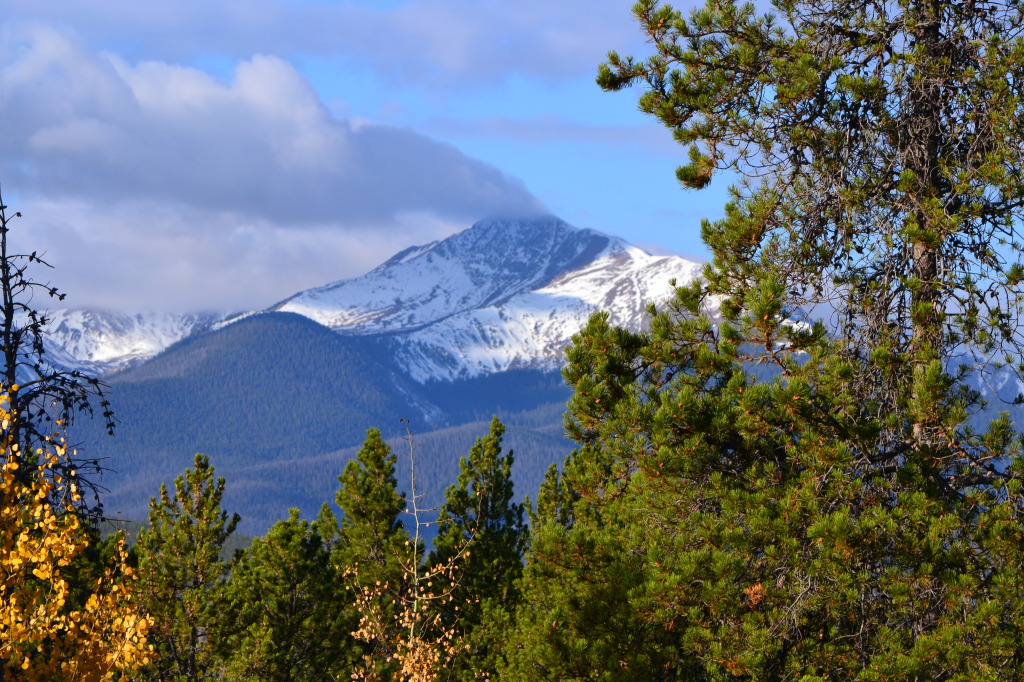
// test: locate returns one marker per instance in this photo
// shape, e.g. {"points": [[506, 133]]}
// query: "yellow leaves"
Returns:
{"points": [[403, 625], [43, 636]]}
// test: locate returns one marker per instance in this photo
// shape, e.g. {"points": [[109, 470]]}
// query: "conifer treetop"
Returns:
{"points": [[879, 146]]}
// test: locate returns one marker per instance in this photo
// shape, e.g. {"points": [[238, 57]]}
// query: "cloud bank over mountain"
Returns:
{"points": [[174, 172], [81, 124], [223, 154]]}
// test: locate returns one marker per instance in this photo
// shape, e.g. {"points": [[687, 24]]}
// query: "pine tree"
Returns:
{"points": [[372, 543], [287, 604], [554, 500], [882, 176], [766, 496], [586, 614], [481, 529], [371, 534], [181, 574], [723, 525]]}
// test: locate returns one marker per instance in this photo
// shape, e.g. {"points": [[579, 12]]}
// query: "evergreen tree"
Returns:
{"points": [[883, 175], [288, 607], [760, 498], [181, 574], [482, 533], [371, 533], [586, 612], [554, 500], [724, 526], [372, 542]]}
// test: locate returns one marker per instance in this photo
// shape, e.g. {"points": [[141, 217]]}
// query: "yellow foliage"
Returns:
{"points": [[404, 625], [41, 636]]}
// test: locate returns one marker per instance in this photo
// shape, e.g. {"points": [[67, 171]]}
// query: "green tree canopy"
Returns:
{"points": [[481, 529], [181, 573], [371, 530], [760, 496], [479, 513], [372, 542], [879, 144], [291, 617]]}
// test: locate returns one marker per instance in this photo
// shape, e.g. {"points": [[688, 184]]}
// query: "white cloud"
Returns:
{"points": [[160, 256], [263, 144], [179, 182]]}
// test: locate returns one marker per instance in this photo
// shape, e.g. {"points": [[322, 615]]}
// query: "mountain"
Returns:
{"points": [[504, 294], [271, 387], [442, 335], [97, 342]]}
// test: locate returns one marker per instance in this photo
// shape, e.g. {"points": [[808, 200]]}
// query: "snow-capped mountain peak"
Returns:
{"points": [[490, 262], [503, 294], [506, 293], [100, 341]]}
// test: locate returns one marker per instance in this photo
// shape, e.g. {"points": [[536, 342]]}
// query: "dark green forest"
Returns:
{"points": [[784, 476]]}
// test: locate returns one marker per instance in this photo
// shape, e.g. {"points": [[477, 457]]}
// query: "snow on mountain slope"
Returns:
{"points": [[504, 294], [97, 342], [481, 266]]}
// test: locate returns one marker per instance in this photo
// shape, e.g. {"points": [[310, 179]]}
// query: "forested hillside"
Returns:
{"points": [[281, 403]]}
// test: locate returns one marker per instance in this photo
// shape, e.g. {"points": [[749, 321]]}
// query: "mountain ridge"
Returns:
{"points": [[506, 293], [270, 395]]}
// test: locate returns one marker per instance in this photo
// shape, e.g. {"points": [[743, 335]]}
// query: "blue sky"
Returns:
{"points": [[219, 155]]}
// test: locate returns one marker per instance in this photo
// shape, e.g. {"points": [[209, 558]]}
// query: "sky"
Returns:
{"points": [[223, 155]]}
